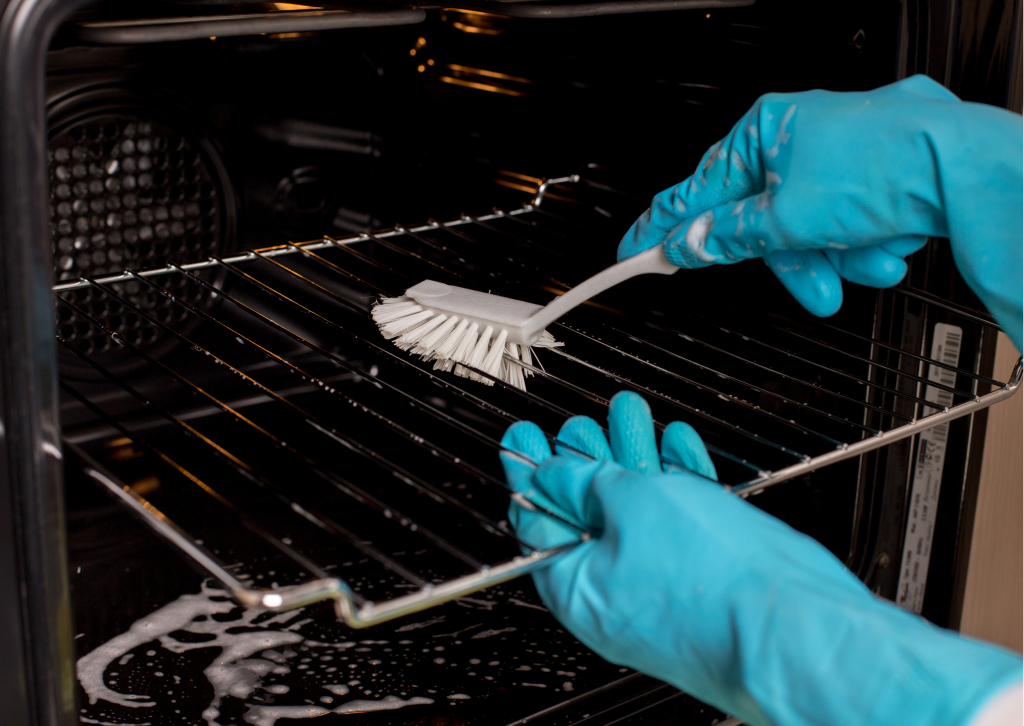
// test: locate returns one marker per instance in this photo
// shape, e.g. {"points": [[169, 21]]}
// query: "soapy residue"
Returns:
{"points": [[697, 234], [388, 703], [234, 672], [782, 136], [268, 715], [489, 633], [177, 615], [417, 626], [264, 666], [524, 604]]}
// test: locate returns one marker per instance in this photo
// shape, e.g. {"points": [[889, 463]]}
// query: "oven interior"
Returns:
{"points": [[275, 185]]}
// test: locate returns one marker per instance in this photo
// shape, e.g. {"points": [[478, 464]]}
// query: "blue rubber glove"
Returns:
{"points": [[826, 186], [695, 586]]}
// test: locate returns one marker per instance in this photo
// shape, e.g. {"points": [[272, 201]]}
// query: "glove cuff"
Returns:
{"points": [[868, 662]]}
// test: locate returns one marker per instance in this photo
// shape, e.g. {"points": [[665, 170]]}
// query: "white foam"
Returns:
{"points": [[234, 672], [469, 602], [177, 615], [489, 633], [524, 604], [268, 715], [388, 703], [423, 624]]}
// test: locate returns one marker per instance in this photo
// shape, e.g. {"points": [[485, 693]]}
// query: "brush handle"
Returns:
{"points": [[652, 261]]}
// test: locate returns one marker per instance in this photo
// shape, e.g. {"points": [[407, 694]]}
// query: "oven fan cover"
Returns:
{"points": [[131, 185]]}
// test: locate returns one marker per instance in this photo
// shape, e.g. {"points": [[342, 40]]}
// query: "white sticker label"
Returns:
{"points": [[924, 491]]}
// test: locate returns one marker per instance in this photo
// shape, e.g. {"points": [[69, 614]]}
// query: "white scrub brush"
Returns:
{"points": [[461, 329]]}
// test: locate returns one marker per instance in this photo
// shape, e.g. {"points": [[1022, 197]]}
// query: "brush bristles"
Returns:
{"points": [[455, 344]]}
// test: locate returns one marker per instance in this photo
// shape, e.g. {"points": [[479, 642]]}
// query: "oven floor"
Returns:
{"points": [[157, 644]]}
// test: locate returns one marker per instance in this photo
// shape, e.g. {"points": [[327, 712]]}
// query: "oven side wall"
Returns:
{"points": [[36, 675]]}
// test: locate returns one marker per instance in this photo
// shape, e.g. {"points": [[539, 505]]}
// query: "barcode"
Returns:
{"points": [[946, 350], [950, 350], [931, 454], [949, 354]]}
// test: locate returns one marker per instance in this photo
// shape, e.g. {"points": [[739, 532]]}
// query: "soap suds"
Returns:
{"points": [[177, 615], [457, 632], [524, 604], [388, 703], [471, 602], [268, 715], [234, 672], [255, 657], [417, 626], [489, 633]]}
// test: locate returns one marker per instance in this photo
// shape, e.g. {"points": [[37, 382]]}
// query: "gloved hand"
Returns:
{"points": [[695, 586], [826, 186]]}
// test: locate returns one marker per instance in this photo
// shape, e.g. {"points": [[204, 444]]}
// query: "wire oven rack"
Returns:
{"points": [[287, 430]]}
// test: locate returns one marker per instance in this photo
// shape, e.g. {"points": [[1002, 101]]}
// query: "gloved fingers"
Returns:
{"points": [[532, 525], [583, 434], [905, 246], [876, 266], [731, 169], [631, 431], [526, 438], [683, 449], [810, 278], [566, 482]]}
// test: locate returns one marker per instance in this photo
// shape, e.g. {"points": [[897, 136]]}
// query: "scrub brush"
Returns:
{"points": [[464, 329]]}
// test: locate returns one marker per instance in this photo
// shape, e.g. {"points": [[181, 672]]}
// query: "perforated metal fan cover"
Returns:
{"points": [[129, 192]]}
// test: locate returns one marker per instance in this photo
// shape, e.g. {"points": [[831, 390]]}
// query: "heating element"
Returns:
{"points": [[283, 432]]}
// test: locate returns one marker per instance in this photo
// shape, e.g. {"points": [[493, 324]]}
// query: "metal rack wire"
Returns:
{"points": [[285, 420]]}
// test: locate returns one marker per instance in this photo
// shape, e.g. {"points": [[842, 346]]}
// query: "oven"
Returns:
{"points": [[228, 500]]}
